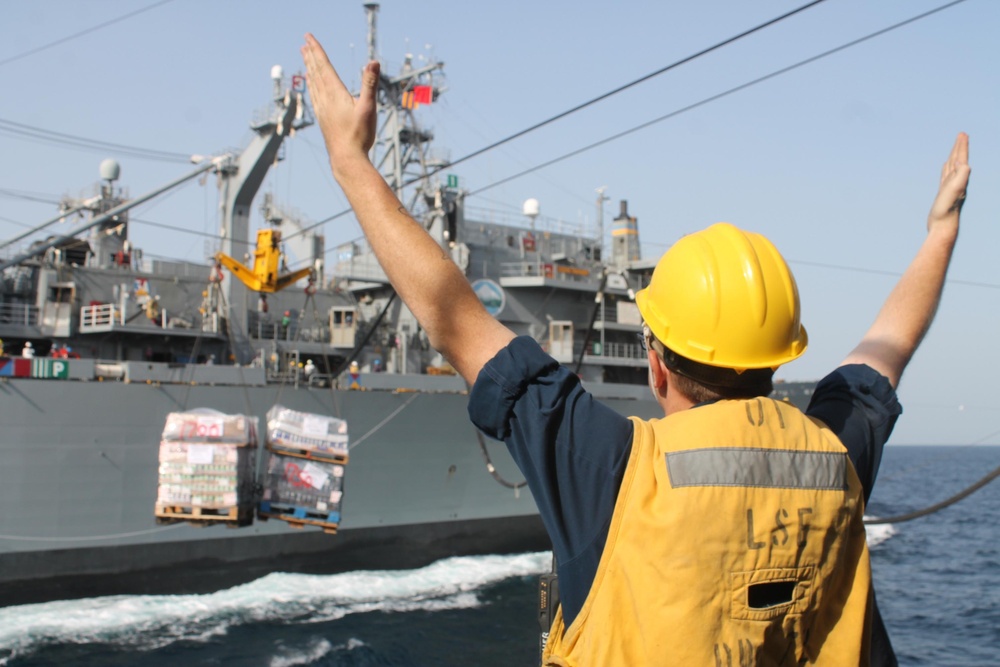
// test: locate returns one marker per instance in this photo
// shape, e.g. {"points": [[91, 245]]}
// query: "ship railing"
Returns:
{"points": [[19, 314], [355, 260], [608, 313], [167, 268], [102, 317], [617, 350], [274, 330], [597, 350], [548, 270], [625, 313], [541, 223]]}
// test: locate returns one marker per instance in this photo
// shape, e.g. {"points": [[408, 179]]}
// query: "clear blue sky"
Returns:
{"points": [[836, 161]]}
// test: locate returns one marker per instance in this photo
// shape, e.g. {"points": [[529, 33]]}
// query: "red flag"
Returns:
{"points": [[423, 94]]}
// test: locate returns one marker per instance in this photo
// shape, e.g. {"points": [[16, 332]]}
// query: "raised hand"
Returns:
{"points": [[348, 124], [951, 193]]}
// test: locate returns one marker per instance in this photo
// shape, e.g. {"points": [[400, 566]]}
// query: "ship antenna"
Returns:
{"points": [[601, 198], [371, 9]]}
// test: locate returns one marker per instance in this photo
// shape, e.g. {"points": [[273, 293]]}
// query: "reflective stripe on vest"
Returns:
{"points": [[731, 466]]}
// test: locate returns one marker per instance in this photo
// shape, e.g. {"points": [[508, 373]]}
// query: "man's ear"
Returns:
{"points": [[658, 369]]}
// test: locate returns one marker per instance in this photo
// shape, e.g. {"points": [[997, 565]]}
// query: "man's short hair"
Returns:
{"points": [[701, 382]]}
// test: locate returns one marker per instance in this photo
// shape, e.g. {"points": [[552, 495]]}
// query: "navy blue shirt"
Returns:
{"points": [[573, 450]]}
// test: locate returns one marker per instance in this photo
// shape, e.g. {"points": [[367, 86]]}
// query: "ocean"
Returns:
{"points": [[937, 579]]}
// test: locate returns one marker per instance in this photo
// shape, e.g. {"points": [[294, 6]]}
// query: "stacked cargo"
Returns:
{"points": [[207, 468], [304, 480]]}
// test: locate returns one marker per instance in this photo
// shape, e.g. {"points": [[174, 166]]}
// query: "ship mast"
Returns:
{"points": [[239, 180], [400, 149], [401, 155]]}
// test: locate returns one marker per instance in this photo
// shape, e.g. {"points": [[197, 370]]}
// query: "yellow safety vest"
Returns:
{"points": [[737, 539]]}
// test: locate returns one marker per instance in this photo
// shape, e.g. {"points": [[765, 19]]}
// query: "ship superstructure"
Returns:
{"points": [[100, 344]]}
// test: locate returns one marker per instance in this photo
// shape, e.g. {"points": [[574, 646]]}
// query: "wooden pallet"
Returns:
{"points": [[311, 454], [204, 516], [299, 517]]}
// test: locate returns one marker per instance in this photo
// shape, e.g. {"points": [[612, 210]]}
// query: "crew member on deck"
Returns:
{"points": [[731, 530], [153, 311], [354, 373]]}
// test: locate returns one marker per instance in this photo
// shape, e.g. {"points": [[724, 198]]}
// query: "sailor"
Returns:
{"points": [[728, 532], [354, 373], [309, 369], [154, 312], [28, 352]]}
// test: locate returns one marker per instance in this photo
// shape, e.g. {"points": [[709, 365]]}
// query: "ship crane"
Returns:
{"points": [[265, 276]]}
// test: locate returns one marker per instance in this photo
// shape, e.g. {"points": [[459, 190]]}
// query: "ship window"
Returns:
{"points": [[60, 295]]}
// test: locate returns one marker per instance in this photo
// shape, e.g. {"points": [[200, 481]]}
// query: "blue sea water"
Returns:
{"points": [[937, 579]]}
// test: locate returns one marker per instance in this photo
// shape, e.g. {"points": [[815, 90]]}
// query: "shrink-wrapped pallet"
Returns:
{"points": [[207, 468], [307, 434], [205, 425], [210, 475], [302, 491]]}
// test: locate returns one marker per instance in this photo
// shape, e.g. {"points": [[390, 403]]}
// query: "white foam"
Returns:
{"points": [[316, 649], [879, 533], [152, 621]]}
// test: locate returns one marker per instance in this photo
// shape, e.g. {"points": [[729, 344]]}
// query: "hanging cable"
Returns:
{"points": [[492, 469], [964, 493]]}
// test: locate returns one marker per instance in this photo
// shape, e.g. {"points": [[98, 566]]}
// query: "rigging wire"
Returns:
{"points": [[86, 31], [969, 490], [883, 272], [87, 538], [36, 197], [626, 86], [718, 96], [19, 130], [647, 124], [592, 101], [964, 493]]}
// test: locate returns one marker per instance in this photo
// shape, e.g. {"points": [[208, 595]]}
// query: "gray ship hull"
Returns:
{"points": [[78, 480]]}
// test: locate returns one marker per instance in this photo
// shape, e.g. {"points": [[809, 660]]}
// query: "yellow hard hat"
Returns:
{"points": [[725, 297]]}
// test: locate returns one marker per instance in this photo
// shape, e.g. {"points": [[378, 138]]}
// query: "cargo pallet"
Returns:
{"points": [[204, 516], [299, 517], [311, 454]]}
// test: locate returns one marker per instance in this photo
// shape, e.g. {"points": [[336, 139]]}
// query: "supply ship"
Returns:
{"points": [[101, 344]]}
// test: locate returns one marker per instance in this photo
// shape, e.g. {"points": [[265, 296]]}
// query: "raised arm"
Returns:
{"points": [[908, 312], [430, 284]]}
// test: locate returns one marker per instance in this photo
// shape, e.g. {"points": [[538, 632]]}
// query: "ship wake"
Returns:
{"points": [[150, 622]]}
